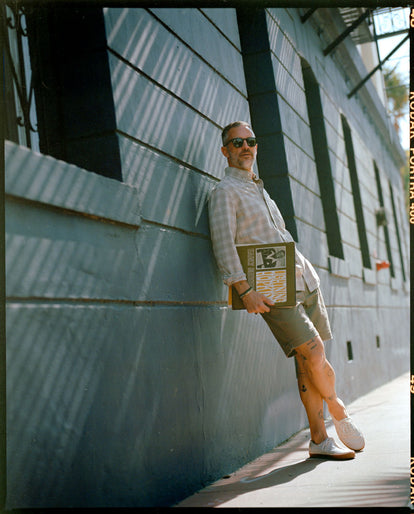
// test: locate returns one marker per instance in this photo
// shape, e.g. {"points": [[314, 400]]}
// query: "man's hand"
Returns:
{"points": [[257, 302], [254, 302]]}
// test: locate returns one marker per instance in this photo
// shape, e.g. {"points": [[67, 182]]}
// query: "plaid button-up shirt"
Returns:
{"points": [[242, 212]]}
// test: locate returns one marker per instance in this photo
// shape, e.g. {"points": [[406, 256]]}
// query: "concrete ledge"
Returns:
{"points": [[338, 267], [47, 180], [369, 276], [394, 284]]}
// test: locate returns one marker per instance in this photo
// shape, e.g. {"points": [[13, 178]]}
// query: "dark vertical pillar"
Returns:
{"points": [[264, 111], [3, 441]]}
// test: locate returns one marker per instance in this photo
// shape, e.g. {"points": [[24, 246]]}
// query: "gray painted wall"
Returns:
{"points": [[129, 381]]}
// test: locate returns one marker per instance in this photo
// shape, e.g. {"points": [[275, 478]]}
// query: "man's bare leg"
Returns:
{"points": [[321, 375], [312, 402]]}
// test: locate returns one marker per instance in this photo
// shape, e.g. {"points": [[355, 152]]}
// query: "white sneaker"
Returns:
{"points": [[349, 433], [328, 449]]}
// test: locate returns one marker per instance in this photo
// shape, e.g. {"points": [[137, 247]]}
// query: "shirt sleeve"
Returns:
{"points": [[223, 225]]}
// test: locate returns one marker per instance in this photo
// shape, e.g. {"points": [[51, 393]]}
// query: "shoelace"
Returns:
{"points": [[327, 444]]}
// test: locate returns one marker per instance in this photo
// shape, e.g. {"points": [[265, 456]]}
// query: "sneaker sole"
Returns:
{"points": [[354, 449], [344, 456], [343, 442]]}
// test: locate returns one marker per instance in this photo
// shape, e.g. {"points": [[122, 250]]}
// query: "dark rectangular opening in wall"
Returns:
{"points": [[378, 342], [322, 160], [356, 194], [386, 233], [397, 230], [73, 87], [349, 351]]}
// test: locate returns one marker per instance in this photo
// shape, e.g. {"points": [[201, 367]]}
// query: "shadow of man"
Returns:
{"points": [[231, 489]]}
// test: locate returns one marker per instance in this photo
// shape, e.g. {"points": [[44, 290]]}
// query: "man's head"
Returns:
{"points": [[237, 138]]}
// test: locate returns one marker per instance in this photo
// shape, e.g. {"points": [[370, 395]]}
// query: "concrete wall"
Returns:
{"points": [[129, 381], [362, 303]]}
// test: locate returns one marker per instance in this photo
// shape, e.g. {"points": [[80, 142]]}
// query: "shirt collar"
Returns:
{"points": [[240, 174]]}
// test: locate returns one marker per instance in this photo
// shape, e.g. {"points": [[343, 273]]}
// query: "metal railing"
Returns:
{"points": [[21, 119]]}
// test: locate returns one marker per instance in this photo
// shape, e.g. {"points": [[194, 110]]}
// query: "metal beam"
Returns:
{"points": [[358, 86], [308, 14], [345, 33], [376, 43], [392, 34]]}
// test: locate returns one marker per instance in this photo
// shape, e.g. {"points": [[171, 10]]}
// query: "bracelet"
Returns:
{"points": [[245, 293]]}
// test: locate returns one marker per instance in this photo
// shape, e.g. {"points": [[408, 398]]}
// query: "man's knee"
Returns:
{"points": [[312, 353]]}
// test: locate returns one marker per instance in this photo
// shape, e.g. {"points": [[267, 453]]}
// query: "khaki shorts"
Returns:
{"points": [[293, 326]]}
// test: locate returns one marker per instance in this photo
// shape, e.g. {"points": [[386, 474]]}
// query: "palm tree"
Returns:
{"points": [[397, 93]]}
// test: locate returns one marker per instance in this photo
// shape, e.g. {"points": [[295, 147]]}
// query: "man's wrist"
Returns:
{"points": [[246, 292], [241, 286]]}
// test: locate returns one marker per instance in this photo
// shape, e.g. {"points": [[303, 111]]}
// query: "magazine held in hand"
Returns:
{"points": [[270, 270]]}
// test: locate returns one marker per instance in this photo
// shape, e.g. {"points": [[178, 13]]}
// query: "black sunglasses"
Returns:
{"points": [[238, 141]]}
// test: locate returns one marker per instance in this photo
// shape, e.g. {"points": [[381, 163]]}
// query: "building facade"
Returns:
{"points": [[130, 382]]}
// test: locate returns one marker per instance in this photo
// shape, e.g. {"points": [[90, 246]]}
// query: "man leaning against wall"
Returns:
{"points": [[242, 212]]}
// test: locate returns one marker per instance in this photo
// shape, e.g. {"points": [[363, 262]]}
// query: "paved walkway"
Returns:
{"points": [[287, 477]]}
